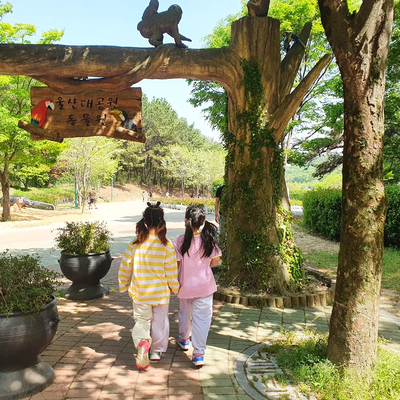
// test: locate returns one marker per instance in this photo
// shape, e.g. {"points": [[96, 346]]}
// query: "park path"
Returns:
{"points": [[92, 353]]}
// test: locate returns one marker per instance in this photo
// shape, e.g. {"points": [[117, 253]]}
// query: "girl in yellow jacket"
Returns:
{"points": [[149, 272]]}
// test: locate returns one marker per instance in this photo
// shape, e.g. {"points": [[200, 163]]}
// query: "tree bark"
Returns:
{"points": [[360, 43], [5, 188]]}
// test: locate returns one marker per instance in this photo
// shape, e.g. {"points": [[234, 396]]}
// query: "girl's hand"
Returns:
{"points": [[215, 261]]}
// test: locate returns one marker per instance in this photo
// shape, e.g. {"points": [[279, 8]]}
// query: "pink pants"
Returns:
{"points": [[154, 318], [195, 320]]}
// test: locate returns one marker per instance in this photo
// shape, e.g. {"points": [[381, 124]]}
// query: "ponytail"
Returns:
{"points": [[195, 217], [141, 231], [187, 241], [209, 238]]}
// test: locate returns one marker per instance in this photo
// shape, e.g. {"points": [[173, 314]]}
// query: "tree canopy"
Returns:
{"points": [[21, 158]]}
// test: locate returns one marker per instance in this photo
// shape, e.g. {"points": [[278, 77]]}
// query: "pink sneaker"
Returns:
{"points": [[142, 358]]}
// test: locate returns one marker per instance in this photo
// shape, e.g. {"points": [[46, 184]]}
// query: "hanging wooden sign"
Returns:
{"points": [[55, 116]]}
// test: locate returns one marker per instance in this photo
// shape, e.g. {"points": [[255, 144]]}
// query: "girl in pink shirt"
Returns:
{"points": [[197, 251]]}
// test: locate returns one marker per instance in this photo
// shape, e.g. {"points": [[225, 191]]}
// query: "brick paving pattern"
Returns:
{"points": [[92, 353]]}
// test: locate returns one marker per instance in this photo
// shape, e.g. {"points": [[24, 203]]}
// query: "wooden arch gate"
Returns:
{"points": [[256, 39]]}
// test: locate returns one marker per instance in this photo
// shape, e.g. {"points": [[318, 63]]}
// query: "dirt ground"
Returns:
{"points": [[390, 300]]}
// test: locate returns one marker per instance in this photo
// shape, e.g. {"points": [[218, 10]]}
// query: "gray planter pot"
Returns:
{"points": [[23, 336], [85, 272]]}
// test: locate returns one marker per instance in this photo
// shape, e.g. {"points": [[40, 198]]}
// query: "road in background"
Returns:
{"points": [[121, 220]]}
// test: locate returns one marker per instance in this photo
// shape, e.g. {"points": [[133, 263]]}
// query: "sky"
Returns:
{"points": [[101, 22]]}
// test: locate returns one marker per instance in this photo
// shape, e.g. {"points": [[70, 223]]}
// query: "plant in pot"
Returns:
{"points": [[28, 323], [85, 258]]}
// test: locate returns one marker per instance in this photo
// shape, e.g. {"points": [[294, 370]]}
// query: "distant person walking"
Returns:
{"points": [[218, 214], [143, 196], [92, 199], [149, 272], [197, 252]]}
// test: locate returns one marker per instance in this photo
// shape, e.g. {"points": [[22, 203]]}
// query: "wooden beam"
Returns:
{"points": [[116, 68]]}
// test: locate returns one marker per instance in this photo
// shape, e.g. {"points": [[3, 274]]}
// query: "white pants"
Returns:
{"points": [[195, 320], [148, 317]]}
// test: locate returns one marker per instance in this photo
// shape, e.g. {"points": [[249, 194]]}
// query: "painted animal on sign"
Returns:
{"points": [[291, 37], [39, 112], [126, 121], [154, 25]]}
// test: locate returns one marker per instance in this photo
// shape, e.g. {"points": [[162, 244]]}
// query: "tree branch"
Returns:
{"points": [[39, 133], [335, 20], [365, 12], [291, 63], [290, 104]]}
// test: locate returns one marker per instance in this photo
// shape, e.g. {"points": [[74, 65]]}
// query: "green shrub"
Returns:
{"points": [[322, 212], [25, 285], [297, 194], [83, 237], [392, 225]]}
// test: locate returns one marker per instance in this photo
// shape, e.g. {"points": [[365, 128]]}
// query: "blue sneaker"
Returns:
{"points": [[184, 344], [198, 360]]}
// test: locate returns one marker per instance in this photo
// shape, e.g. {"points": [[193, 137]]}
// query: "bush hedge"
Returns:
{"points": [[322, 213], [392, 225], [186, 201], [297, 194], [322, 210]]}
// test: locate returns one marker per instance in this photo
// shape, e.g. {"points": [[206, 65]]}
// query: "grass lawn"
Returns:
{"points": [[310, 370], [53, 195], [391, 266]]}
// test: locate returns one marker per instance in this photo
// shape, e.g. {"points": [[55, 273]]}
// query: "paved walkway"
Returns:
{"points": [[92, 353]]}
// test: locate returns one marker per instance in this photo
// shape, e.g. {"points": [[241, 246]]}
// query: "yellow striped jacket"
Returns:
{"points": [[149, 271]]}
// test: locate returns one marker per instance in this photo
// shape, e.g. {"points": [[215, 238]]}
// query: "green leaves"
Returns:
{"points": [[25, 159], [91, 159], [83, 237], [25, 286]]}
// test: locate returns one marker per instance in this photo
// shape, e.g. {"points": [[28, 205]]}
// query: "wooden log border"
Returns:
{"points": [[300, 301]]}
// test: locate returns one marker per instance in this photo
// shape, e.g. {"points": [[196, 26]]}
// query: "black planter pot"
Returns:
{"points": [[85, 272], [23, 336]]}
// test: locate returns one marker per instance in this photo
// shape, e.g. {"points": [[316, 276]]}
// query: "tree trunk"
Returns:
{"points": [[360, 42], [257, 230], [5, 188]]}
